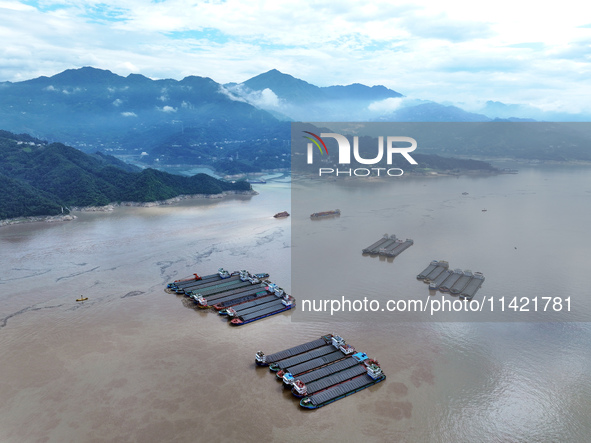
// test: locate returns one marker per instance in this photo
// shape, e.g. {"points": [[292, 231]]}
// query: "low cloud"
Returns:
{"points": [[129, 114], [265, 99], [387, 105], [167, 109]]}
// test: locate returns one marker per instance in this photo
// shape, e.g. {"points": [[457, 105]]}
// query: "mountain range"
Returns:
{"points": [[233, 128]]}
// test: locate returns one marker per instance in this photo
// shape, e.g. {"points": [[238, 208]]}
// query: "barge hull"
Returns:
{"points": [[266, 309], [286, 353], [263, 315], [341, 391]]}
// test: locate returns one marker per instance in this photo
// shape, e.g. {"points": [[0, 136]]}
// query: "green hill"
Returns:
{"points": [[37, 178]]}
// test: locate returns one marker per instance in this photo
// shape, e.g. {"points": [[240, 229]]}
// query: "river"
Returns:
{"points": [[134, 363]]}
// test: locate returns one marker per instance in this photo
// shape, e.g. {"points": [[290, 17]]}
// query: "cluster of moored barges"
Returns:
{"points": [[241, 296], [457, 282], [322, 371], [389, 246]]}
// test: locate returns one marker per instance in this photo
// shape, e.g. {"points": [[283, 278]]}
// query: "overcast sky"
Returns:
{"points": [[450, 52]]}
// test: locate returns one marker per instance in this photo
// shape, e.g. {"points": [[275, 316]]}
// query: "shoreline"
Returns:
{"points": [[111, 206]]}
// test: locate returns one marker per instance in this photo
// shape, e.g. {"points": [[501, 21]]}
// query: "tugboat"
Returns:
{"points": [[223, 273], [281, 214]]}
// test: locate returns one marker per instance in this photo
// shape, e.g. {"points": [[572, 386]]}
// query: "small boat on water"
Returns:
{"points": [[325, 213], [82, 298], [281, 214]]}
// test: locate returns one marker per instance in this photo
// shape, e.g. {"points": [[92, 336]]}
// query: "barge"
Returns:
{"points": [[435, 284], [473, 286], [372, 376], [373, 249], [336, 212], [229, 296], [197, 280], [291, 369], [451, 280], [300, 383], [287, 374], [332, 380], [462, 283], [442, 266], [285, 303], [221, 306], [398, 248], [428, 270], [241, 295], [261, 359]]}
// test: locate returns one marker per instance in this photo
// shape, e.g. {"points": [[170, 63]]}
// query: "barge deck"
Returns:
{"points": [[342, 390], [473, 286], [264, 360], [398, 249], [374, 248], [435, 284], [428, 270], [335, 379], [315, 363], [328, 370], [462, 283], [269, 309]]}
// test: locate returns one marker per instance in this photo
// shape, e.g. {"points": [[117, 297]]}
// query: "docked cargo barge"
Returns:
{"points": [[434, 285], [473, 286], [301, 385], [323, 371], [457, 282], [372, 376], [462, 282], [242, 296], [388, 246], [375, 247], [265, 360]]}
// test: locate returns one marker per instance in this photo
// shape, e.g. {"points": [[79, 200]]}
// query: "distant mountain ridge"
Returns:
{"points": [[233, 128], [94, 109], [290, 88]]}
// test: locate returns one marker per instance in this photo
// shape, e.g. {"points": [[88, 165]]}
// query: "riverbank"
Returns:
{"points": [[111, 206]]}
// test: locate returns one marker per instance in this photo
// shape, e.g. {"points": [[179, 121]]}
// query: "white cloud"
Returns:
{"points": [[129, 114], [452, 51], [387, 105], [117, 102], [265, 99], [167, 109]]}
